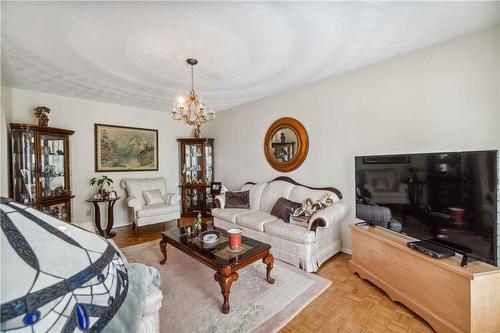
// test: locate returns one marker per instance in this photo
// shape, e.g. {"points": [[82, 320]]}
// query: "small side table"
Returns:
{"points": [[97, 216]]}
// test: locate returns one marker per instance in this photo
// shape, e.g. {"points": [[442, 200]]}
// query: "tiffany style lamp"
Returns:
{"points": [[56, 277]]}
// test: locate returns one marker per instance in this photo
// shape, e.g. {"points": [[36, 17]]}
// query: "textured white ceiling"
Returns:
{"points": [[134, 53]]}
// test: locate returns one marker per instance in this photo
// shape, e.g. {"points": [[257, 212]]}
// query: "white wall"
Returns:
{"points": [[442, 98], [80, 115], [5, 117]]}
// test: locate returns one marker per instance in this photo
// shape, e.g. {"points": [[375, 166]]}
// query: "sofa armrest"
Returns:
{"points": [[220, 200], [152, 304], [134, 203], [151, 312], [328, 216], [172, 198]]}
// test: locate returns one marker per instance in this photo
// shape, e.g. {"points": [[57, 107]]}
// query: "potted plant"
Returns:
{"points": [[101, 182]]}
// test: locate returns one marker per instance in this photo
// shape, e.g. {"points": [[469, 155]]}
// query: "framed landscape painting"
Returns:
{"points": [[120, 148]]}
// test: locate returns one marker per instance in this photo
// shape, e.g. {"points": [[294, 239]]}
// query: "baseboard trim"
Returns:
{"points": [[346, 250]]}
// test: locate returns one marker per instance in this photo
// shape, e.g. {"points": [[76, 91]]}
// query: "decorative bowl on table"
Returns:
{"points": [[210, 237]]}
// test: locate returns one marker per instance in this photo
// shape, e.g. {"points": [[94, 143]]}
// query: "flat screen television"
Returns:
{"points": [[448, 198]]}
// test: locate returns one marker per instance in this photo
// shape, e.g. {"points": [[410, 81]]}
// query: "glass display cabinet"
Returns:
{"points": [[40, 168], [196, 158]]}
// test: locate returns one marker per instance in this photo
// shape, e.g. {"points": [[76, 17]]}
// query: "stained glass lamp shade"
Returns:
{"points": [[56, 277]]}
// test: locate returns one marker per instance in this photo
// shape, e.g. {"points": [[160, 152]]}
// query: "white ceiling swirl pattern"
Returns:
{"points": [[134, 53]]}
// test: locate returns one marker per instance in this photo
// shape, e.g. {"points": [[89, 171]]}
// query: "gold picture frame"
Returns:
{"points": [[122, 148]]}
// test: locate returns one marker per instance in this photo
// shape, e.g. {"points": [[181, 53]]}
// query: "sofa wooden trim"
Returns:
{"points": [[218, 204], [290, 180]]}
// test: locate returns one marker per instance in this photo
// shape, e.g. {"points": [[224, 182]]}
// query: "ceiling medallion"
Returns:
{"points": [[191, 110]]}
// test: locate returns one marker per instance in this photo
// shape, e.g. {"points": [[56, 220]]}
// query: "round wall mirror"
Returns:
{"points": [[286, 144]]}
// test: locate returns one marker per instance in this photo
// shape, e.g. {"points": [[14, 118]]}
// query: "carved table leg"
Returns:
{"points": [[97, 218], [163, 248], [111, 219], [269, 261], [225, 283]]}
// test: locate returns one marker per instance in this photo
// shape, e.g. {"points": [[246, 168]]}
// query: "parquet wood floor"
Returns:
{"points": [[349, 305]]}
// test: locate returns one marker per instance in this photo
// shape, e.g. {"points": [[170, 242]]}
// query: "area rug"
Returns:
{"points": [[192, 299]]}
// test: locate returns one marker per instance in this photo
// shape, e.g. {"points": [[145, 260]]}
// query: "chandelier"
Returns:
{"points": [[191, 110]]}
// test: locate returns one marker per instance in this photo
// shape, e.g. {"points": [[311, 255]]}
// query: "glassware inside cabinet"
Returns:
{"points": [[194, 200], [209, 160], [192, 164], [52, 166], [24, 165], [209, 201]]}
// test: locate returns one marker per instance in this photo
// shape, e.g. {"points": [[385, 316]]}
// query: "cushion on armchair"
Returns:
{"points": [[152, 197], [158, 209]]}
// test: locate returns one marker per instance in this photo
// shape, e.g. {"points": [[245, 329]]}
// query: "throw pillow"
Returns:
{"points": [[152, 197], [310, 207], [238, 200], [283, 208]]}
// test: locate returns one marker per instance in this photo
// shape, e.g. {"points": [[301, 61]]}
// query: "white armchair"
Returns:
{"points": [[144, 214]]}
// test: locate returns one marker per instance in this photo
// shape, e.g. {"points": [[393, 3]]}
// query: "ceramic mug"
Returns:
{"points": [[235, 238]]}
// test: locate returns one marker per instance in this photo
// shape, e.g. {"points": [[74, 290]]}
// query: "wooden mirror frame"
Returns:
{"points": [[302, 149]]}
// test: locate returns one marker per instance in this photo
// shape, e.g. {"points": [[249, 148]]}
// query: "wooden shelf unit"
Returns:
{"points": [[449, 297], [40, 172], [196, 171]]}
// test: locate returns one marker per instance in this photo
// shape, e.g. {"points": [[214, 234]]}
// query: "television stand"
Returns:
{"points": [[449, 297]]}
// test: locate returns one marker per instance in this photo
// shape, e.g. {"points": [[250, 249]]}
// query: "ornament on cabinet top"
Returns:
{"points": [[40, 113]]}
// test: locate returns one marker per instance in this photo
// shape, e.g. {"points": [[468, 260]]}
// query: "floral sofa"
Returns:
{"points": [[304, 247]]}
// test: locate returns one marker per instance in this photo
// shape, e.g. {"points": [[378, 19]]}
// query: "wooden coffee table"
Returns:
{"points": [[225, 263]]}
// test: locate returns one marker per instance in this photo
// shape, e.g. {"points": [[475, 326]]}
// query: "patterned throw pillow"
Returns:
{"points": [[283, 208], [238, 200], [152, 197], [311, 207]]}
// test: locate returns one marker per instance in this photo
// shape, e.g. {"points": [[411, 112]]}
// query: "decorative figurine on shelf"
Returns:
{"points": [[41, 115], [58, 191], [282, 137], [46, 150], [197, 222]]}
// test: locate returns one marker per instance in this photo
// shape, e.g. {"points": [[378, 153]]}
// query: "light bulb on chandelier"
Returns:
{"points": [[191, 110]]}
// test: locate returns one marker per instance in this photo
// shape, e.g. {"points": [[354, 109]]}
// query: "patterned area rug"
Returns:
{"points": [[192, 299]]}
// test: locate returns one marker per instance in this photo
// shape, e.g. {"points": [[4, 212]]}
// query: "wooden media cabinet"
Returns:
{"points": [[449, 297]]}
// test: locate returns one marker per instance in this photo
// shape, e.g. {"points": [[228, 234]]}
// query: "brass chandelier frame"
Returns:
{"points": [[191, 110]]}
